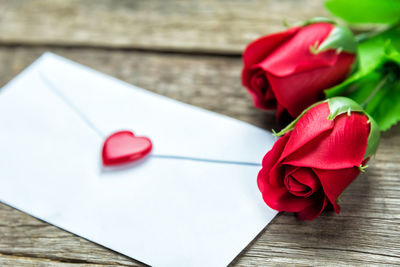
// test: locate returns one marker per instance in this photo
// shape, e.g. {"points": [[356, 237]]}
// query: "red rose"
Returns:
{"points": [[288, 71], [321, 153]]}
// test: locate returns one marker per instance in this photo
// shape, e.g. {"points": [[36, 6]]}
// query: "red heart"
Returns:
{"points": [[124, 147]]}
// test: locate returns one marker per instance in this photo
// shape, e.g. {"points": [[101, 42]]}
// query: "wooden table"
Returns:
{"points": [[190, 51]]}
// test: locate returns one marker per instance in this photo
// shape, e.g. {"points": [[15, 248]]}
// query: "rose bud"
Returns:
{"points": [[288, 71], [319, 155]]}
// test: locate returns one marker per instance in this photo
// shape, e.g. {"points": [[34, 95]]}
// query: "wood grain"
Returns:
{"points": [[168, 25], [365, 233]]}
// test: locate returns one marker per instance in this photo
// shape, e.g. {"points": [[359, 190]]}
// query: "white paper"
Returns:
{"points": [[161, 211]]}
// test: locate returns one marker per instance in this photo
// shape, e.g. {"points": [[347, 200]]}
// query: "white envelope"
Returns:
{"points": [[192, 202]]}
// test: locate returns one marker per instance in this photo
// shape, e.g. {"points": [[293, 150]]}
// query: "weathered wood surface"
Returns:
{"points": [[365, 233], [176, 25], [125, 32]]}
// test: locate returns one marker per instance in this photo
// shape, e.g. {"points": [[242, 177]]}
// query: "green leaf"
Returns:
{"points": [[371, 55], [364, 88], [365, 11], [384, 107], [379, 93], [365, 85]]}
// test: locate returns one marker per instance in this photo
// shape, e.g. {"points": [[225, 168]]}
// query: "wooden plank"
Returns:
{"points": [[173, 25], [206, 81], [13, 261], [365, 233], [25, 241]]}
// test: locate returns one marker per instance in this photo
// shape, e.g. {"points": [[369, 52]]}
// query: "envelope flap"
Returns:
{"points": [[175, 128]]}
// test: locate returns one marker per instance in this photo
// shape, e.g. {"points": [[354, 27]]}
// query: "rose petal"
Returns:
{"points": [[263, 96], [302, 181], [335, 181], [259, 49], [269, 98], [269, 161], [277, 175], [295, 187], [295, 53], [259, 82], [343, 147], [278, 198], [310, 126], [254, 53], [270, 182], [313, 211], [299, 90], [298, 76]]}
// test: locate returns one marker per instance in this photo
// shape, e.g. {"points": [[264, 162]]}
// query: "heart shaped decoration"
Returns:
{"points": [[124, 147]]}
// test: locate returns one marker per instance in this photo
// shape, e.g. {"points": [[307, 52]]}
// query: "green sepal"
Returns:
{"points": [[373, 138], [340, 39], [315, 20], [339, 105], [362, 168]]}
